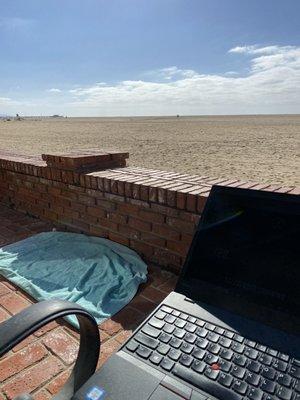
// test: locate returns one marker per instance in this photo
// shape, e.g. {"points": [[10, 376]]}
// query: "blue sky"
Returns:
{"points": [[149, 57]]}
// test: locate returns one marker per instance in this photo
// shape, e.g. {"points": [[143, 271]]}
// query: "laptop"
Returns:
{"points": [[231, 328]]}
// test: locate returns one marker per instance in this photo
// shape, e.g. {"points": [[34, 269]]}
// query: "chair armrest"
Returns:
{"points": [[18, 327]]}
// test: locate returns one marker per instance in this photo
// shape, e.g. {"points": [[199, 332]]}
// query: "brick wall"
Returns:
{"points": [[153, 212]]}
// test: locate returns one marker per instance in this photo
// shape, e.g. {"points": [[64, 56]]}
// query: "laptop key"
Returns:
{"points": [[186, 348], [203, 382], [265, 359], [146, 340], [209, 326], [202, 332], [143, 351], [156, 323], [227, 354], [155, 358], [164, 337], [238, 338], [219, 330], [180, 323], [239, 360], [211, 358], [255, 394], [284, 393], [211, 373], [186, 360], [280, 365], [250, 343], [168, 328], [192, 319], [170, 319], [166, 309], [238, 347], [200, 323], [213, 337], [272, 352], [167, 364], [229, 334], [238, 372], [225, 379], [261, 347], [214, 348], [198, 366], [190, 327], [268, 386], [295, 362], [284, 380], [268, 372], [225, 342], [150, 331], [190, 337], [252, 378], [295, 372], [175, 342], [284, 357], [160, 314], [184, 316], [176, 313], [254, 366], [240, 387], [163, 349], [203, 343], [174, 354], [198, 353], [251, 353], [179, 333], [132, 346], [224, 365]]}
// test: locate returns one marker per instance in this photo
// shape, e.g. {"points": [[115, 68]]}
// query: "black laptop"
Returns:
{"points": [[231, 328]]}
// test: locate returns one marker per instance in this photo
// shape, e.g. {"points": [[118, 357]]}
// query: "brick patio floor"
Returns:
{"points": [[41, 363]]}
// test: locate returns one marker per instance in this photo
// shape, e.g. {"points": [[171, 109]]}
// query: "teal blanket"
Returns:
{"points": [[100, 275]]}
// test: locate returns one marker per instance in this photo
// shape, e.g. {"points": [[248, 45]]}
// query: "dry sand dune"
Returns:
{"points": [[258, 148]]}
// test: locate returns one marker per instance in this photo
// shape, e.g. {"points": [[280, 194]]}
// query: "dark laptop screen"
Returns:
{"points": [[248, 244]]}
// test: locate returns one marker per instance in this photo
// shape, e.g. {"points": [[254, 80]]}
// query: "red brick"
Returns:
{"points": [[128, 209], [3, 289], [98, 231], [118, 238], [118, 218], [28, 381], [141, 247], [42, 395], [106, 223], [111, 327], [21, 360], [107, 205], [165, 231], [171, 212], [142, 304], [155, 240], [14, 303], [139, 224], [30, 339], [178, 247], [3, 315], [96, 212], [153, 294], [61, 345], [129, 232], [180, 225], [123, 336], [151, 216], [57, 383]]}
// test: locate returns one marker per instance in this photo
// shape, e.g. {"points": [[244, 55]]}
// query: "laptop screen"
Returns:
{"points": [[248, 244]]}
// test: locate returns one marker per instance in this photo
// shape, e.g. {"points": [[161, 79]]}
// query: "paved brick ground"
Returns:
{"points": [[42, 362]]}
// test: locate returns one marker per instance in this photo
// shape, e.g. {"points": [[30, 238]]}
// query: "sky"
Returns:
{"points": [[149, 57]]}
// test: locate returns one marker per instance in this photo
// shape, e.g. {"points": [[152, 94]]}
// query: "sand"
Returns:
{"points": [[256, 148]]}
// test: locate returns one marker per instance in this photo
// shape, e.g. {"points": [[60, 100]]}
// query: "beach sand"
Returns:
{"points": [[256, 148]]}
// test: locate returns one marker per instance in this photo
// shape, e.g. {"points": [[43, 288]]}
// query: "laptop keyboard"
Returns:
{"points": [[218, 361]]}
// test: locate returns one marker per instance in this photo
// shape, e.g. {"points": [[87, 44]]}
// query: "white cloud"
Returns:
{"points": [[54, 90], [272, 85]]}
